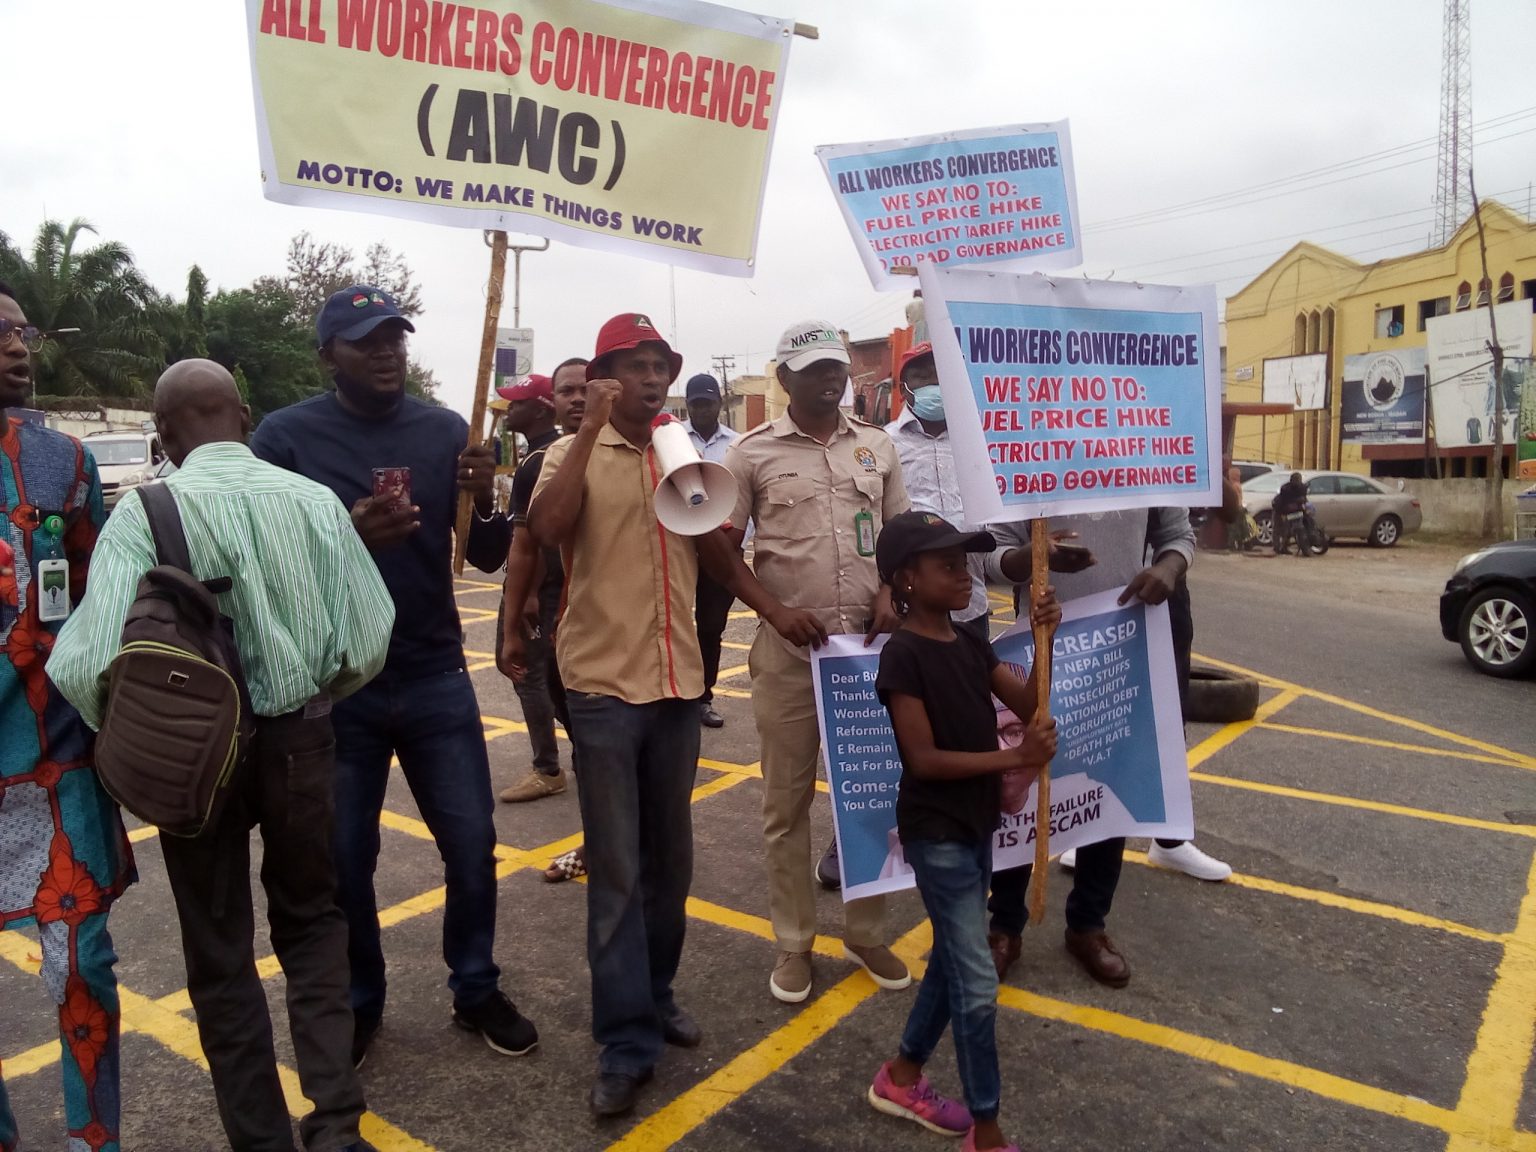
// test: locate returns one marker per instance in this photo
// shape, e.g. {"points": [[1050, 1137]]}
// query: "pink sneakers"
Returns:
{"points": [[970, 1144], [921, 1103]]}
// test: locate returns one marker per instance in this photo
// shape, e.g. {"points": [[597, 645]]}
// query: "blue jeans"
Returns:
{"points": [[638, 763], [434, 726], [959, 988]]}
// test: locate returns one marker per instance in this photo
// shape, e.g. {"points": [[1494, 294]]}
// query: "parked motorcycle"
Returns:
{"points": [[1302, 528]]}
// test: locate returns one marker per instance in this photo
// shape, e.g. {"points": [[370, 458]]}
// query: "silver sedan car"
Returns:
{"points": [[1346, 505]]}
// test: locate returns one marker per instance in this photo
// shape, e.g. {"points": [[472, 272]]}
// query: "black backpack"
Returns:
{"points": [[178, 716]]}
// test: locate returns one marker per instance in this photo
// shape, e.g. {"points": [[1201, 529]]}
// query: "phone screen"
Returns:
{"points": [[393, 485]]}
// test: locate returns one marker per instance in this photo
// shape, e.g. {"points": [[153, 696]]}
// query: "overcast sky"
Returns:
{"points": [[139, 118]]}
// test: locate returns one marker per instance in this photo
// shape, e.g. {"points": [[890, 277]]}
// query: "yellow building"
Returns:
{"points": [[1312, 300]]}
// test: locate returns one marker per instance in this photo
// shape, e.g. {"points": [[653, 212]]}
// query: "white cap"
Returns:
{"points": [[809, 341]]}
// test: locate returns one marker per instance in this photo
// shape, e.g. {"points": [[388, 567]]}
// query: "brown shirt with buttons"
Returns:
{"points": [[628, 627], [805, 498]]}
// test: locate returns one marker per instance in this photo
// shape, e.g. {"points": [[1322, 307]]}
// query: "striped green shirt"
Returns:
{"points": [[309, 606]]}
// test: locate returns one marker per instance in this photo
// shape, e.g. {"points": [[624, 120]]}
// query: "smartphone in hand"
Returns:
{"points": [[393, 485]]}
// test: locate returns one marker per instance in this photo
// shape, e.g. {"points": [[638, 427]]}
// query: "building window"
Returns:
{"points": [[1389, 322], [1484, 287], [1463, 296], [1428, 309], [1528, 290], [1506, 287]]}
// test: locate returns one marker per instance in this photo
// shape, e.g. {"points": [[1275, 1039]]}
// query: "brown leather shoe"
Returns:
{"points": [[1005, 950], [1098, 954]]}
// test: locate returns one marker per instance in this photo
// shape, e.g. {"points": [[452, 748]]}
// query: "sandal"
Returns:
{"points": [[567, 866]]}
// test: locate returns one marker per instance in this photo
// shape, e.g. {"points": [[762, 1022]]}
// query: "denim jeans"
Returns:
{"points": [[433, 725], [959, 989], [539, 712], [638, 763]]}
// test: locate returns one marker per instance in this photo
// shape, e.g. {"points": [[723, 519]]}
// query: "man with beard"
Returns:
{"points": [[422, 707]]}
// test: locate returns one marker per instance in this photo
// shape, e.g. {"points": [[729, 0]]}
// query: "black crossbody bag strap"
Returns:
{"points": [[165, 526]]}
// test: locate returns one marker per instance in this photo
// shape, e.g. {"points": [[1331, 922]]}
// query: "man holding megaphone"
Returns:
{"points": [[637, 518]]}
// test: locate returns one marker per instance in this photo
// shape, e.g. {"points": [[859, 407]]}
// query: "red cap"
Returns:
{"points": [[916, 352], [539, 388], [629, 330]]}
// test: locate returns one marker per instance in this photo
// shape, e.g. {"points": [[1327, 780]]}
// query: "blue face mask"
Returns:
{"points": [[928, 403]]}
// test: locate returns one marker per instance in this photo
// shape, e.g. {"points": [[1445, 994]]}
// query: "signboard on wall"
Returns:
{"points": [[1382, 398], [1461, 372], [1300, 381]]}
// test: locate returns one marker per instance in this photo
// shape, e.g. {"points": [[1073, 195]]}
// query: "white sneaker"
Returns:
{"points": [[1068, 859], [1188, 859]]}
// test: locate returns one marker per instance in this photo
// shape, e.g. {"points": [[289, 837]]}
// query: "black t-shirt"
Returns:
{"points": [[953, 680], [320, 439], [524, 480]]}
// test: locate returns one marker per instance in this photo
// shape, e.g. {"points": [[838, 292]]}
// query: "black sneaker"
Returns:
{"points": [[363, 1032], [500, 1024]]}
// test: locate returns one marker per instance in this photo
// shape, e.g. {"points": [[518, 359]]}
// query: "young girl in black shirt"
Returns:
{"points": [[937, 682]]}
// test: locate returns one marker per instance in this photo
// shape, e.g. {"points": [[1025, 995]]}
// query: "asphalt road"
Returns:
{"points": [[1367, 980]]}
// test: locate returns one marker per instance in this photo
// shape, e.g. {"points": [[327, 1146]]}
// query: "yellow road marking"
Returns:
{"points": [[1253, 1064], [732, 693], [1525, 830], [1496, 1069], [684, 1113], [1221, 738], [1347, 903], [733, 644], [1349, 738], [1517, 758], [754, 770], [139, 835], [733, 671]]}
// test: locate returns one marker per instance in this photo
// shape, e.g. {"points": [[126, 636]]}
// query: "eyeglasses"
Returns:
{"points": [[31, 337]]}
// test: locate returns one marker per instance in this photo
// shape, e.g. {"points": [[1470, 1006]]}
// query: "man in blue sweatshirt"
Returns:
{"points": [[422, 707]]}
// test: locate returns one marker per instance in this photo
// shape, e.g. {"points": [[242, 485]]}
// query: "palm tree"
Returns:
{"points": [[119, 348]]}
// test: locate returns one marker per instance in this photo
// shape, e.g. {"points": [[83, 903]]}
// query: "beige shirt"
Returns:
{"points": [[628, 627], [804, 497]]}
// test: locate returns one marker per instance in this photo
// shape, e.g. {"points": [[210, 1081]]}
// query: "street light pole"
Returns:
{"points": [[517, 277]]}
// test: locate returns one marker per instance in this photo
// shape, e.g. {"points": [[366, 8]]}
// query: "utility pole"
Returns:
{"points": [[1493, 499], [723, 366]]}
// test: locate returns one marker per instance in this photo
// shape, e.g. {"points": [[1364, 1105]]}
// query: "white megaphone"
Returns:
{"points": [[694, 495]]}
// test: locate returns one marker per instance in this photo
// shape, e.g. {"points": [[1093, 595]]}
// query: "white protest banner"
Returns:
{"points": [[1120, 767], [1068, 396], [1461, 387], [635, 126], [1005, 197]]}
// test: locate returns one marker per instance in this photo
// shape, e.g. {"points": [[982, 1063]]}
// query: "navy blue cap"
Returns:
{"points": [[354, 312], [702, 385]]}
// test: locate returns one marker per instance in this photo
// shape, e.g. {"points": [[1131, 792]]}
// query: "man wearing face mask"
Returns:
{"points": [[922, 441], [422, 707]]}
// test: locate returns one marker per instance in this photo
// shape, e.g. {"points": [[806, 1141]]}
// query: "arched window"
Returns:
{"points": [[1299, 340], [1506, 287], [1313, 322], [1484, 287], [1463, 296]]}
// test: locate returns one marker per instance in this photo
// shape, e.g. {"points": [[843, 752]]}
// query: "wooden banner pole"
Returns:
{"points": [[493, 294], [1039, 579]]}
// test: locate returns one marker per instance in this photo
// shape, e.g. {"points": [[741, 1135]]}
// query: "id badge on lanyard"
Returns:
{"points": [[864, 533], [51, 576]]}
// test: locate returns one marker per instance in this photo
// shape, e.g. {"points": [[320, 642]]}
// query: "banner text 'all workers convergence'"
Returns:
{"points": [[638, 128]]}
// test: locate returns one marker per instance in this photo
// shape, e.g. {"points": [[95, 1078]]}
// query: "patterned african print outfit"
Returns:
{"points": [[63, 854]]}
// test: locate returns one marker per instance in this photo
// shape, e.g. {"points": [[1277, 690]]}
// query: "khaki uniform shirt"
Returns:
{"points": [[803, 497], [628, 627]]}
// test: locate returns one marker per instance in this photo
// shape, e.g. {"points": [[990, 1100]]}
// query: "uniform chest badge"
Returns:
{"points": [[865, 457]]}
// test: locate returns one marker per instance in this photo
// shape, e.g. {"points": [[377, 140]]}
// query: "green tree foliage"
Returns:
{"points": [[264, 333], [65, 283]]}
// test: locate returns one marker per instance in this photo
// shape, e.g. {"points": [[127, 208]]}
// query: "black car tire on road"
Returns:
{"points": [[1217, 697], [1387, 531], [1495, 632]]}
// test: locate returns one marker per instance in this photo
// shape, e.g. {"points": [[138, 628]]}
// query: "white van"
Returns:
{"points": [[124, 460]]}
